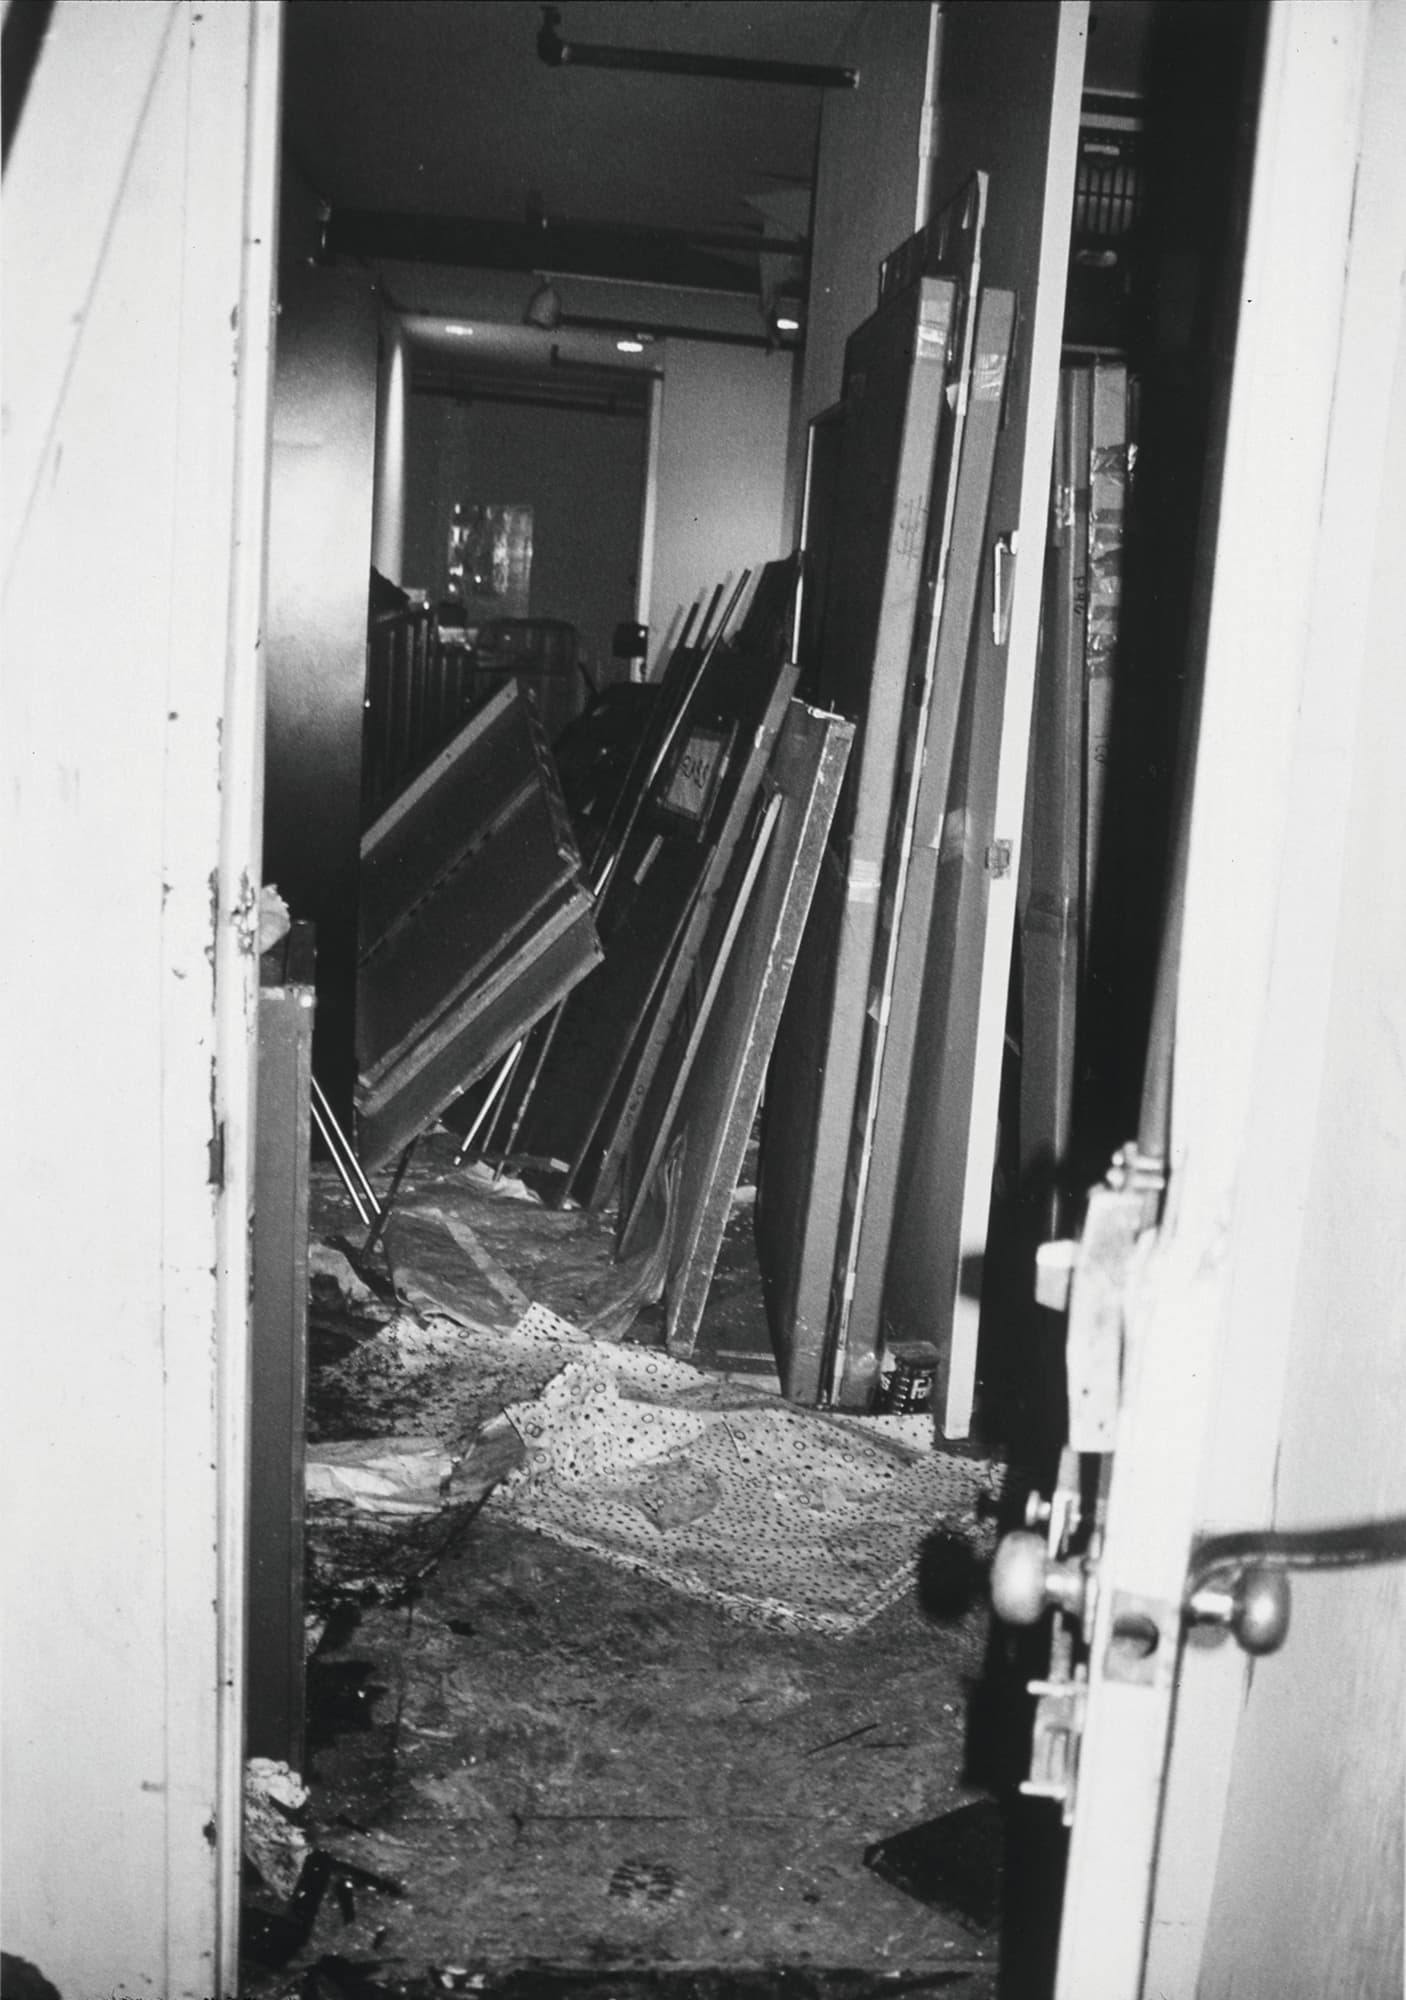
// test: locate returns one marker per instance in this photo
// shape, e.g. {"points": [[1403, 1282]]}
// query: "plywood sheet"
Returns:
{"points": [[896, 374], [1026, 135], [910, 899], [719, 1103]]}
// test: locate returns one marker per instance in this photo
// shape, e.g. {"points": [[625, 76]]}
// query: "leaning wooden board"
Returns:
{"points": [[718, 1105], [475, 922], [1028, 138], [652, 921], [856, 1337], [1051, 891], [950, 246], [896, 375]]}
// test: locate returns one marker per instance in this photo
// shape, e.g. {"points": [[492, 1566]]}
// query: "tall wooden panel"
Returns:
{"points": [[856, 1336], [324, 433], [896, 372], [1061, 787], [1009, 93], [274, 1643], [719, 1102]]}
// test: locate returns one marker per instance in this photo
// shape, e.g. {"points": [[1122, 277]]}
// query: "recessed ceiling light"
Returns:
{"points": [[630, 346], [453, 326]]}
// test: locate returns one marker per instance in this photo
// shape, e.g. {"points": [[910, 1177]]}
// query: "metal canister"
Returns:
{"points": [[913, 1380]]}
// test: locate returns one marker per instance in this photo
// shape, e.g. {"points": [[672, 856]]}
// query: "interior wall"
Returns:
{"points": [[320, 498], [581, 472], [128, 747], [870, 185], [720, 501]]}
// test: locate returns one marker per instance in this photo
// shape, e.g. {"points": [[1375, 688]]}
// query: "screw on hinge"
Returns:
{"points": [[998, 858]]}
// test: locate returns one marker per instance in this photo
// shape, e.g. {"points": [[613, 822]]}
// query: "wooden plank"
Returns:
{"points": [[857, 1338], [1053, 909], [618, 1121], [1028, 139], [655, 1124], [275, 1643], [895, 379], [1108, 492], [719, 1104]]}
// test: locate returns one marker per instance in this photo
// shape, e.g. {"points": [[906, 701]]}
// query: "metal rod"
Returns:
{"points": [[337, 1141], [344, 1176], [505, 1069], [678, 62], [373, 1235]]}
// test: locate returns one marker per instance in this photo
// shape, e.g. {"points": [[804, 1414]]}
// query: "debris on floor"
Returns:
{"points": [[479, 1376], [779, 1516], [275, 1845]]}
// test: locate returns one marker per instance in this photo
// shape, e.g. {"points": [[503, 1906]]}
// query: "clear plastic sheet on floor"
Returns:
{"points": [[782, 1517]]}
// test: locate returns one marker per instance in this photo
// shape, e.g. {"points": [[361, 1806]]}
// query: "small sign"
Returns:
{"points": [[697, 772]]}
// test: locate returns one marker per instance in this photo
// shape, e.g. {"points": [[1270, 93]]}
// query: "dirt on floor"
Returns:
{"points": [[536, 1772], [562, 1765]]}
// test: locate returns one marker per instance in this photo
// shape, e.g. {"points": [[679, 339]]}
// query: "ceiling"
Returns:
{"points": [[443, 107]]}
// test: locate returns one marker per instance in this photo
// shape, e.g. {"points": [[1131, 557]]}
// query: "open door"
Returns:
{"points": [[1236, 1372]]}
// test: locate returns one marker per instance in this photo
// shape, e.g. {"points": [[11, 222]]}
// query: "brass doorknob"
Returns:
{"points": [[1026, 1580], [1253, 1605]]}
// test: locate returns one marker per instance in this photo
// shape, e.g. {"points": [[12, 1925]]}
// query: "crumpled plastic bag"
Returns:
{"points": [[390, 1475], [274, 1843]]}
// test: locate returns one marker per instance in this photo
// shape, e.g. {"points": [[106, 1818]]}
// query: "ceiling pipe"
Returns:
{"points": [[702, 259], [667, 62]]}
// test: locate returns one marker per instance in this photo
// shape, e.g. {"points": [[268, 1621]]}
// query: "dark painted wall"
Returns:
{"points": [[581, 472], [324, 423]]}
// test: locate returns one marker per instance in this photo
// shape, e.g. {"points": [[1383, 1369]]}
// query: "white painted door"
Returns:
{"points": [[1297, 704], [138, 235]]}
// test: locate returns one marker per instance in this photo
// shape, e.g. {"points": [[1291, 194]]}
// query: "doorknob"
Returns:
{"points": [[1237, 1582], [1255, 1608], [1026, 1580]]}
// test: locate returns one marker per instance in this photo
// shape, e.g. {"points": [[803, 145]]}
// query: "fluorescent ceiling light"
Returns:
{"points": [[453, 326], [785, 324], [630, 346]]}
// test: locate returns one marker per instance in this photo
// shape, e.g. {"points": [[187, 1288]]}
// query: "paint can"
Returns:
{"points": [[911, 1384]]}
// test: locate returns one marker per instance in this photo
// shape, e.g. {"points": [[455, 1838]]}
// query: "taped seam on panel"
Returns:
{"points": [[955, 835], [862, 884]]}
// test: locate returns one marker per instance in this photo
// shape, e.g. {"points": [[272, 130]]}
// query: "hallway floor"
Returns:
{"points": [[550, 1775]]}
